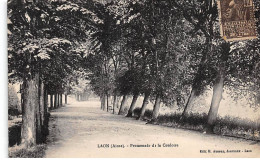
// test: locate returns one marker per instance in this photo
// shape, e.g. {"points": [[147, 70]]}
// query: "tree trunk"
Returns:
{"points": [[61, 100], [46, 110], [77, 97], [45, 129], [114, 103], [103, 101], [45, 101], [51, 101], [41, 113], [107, 103], [66, 99], [216, 98], [28, 129], [199, 77], [58, 100], [132, 106], [22, 97], [55, 100], [145, 103], [38, 106], [156, 107], [41, 103], [121, 110], [188, 104], [117, 102]]}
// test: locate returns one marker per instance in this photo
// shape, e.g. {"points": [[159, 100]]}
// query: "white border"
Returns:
{"points": [[3, 81]]}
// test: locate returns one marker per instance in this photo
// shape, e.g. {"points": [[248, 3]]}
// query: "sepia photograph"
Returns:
{"points": [[133, 78]]}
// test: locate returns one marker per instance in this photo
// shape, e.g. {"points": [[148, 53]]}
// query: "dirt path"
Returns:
{"points": [[80, 129]]}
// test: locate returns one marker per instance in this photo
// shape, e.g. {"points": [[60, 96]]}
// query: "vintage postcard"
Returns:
{"points": [[237, 19], [133, 79]]}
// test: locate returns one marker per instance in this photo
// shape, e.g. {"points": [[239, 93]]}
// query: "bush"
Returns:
{"points": [[169, 118], [196, 119], [13, 112], [237, 127], [14, 134], [224, 126], [137, 111], [234, 123], [147, 114], [21, 152]]}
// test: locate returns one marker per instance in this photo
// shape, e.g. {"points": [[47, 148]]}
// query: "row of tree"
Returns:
{"points": [[44, 40], [169, 52]]}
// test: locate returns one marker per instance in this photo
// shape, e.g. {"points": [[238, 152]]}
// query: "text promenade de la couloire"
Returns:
{"points": [[163, 145]]}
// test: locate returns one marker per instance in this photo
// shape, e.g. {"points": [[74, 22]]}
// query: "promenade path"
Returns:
{"points": [[82, 129]]}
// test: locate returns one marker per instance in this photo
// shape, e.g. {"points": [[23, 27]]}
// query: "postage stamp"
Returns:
{"points": [[237, 20]]}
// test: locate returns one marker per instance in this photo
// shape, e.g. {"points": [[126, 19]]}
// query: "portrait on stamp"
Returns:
{"points": [[237, 19]]}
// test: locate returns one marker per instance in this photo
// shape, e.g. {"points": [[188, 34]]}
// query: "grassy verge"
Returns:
{"points": [[21, 152], [226, 126], [15, 150]]}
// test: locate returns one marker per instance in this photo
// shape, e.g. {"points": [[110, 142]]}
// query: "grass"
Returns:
{"points": [[227, 126], [37, 151], [16, 150]]}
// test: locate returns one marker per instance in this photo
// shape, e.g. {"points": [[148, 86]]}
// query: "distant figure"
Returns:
{"points": [[236, 11]]}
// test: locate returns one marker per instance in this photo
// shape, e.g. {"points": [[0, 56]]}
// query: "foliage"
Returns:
{"points": [[34, 152]]}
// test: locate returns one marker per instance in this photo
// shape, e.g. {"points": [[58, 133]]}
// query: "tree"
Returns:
{"points": [[32, 47], [104, 37], [26, 21]]}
